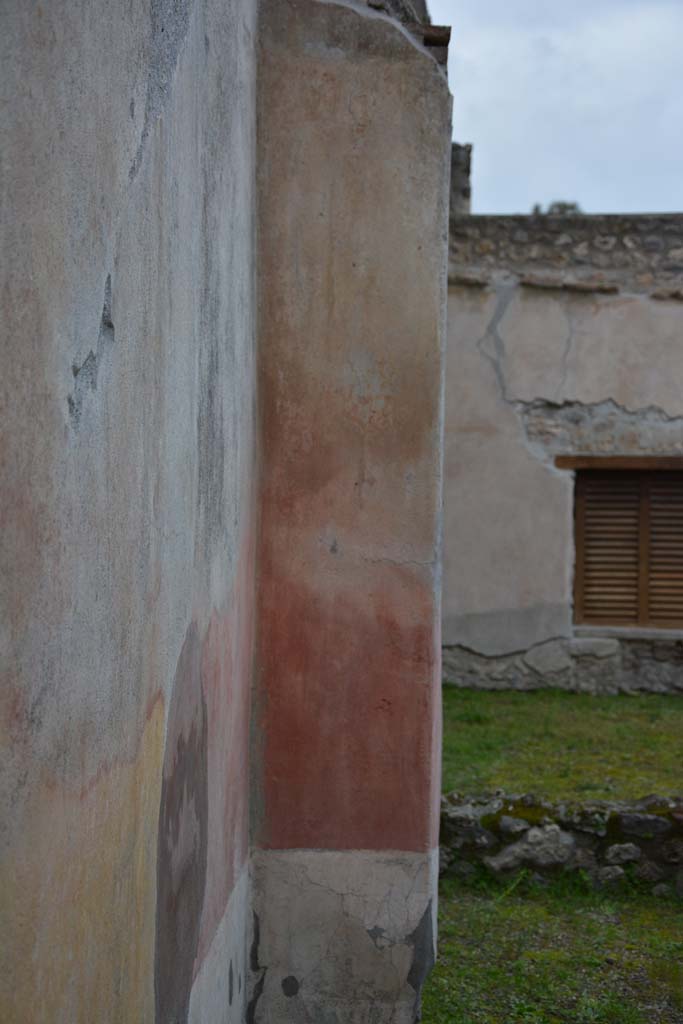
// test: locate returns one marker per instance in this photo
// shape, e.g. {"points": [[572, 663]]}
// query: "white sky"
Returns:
{"points": [[581, 101]]}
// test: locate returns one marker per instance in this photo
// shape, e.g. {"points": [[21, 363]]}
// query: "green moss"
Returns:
{"points": [[562, 746]]}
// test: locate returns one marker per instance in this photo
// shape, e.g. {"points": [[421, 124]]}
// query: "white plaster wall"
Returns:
{"points": [[591, 348], [127, 168], [219, 992], [507, 573]]}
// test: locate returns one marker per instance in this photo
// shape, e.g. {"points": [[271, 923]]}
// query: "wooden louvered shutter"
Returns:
{"points": [[665, 561], [607, 548], [629, 549]]}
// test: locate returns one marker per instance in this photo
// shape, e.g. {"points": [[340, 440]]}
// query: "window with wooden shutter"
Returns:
{"points": [[629, 548]]}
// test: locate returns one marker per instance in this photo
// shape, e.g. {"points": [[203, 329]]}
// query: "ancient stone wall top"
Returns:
{"points": [[606, 252]]}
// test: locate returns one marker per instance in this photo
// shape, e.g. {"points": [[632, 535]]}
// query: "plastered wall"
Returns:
{"points": [[218, 455], [565, 337], [127, 507], [352, 250]]}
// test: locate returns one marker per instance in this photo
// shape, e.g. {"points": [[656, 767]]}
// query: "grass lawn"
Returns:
{"points": [[515, 952], [563, 745], [560, 955]]}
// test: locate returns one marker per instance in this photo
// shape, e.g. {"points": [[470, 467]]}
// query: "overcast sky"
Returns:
{"points": [[581, 101]]}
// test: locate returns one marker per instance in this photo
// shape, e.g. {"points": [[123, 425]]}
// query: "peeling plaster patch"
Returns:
{"points": [[600, 428], [358, 920], [570, 284], [368, 388], [85, 375]]}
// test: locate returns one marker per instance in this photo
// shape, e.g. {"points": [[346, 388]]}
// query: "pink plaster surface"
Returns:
{"points": [[353, 167]]}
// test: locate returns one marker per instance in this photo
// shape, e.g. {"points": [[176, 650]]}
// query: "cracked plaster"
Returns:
{"points": [[355, 924], [533, 373]]}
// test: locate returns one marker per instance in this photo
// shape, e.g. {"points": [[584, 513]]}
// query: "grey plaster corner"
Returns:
{"points": [[361, 927]]}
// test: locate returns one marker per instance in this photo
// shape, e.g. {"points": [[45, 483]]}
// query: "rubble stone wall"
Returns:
{"points": [[609, 841], [583, 663]]}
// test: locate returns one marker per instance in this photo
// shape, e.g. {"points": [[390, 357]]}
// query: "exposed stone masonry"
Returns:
{"points": [[583, 664], [599, 428], [639, 252], [608, 840]]}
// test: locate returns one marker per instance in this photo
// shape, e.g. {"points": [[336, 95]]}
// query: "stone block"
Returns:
{"points": [[512, 826], [649, 871], [545, 847], [679, 883], [548, 659], [594, 647], [645, 826], [610, 876], [623, 853]]}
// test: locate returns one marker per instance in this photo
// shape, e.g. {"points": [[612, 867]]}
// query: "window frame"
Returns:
{"points": [[645, 471]]}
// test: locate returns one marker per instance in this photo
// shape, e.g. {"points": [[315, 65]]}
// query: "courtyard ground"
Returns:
{"points": [[520, 952], [557, 955], [562, 745]]}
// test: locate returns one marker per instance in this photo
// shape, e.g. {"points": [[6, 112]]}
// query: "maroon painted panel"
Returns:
{"points": [[349, 715]]}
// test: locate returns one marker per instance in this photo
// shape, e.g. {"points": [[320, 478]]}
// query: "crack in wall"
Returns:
{"points": [[568, 345], [491, 345], [554, 426]]}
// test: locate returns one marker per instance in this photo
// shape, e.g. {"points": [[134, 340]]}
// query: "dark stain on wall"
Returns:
{"points": [[257, 990], [170, 21], [290, 986], [211, 440], [182, 839], [85, 375], [422, 941]]}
